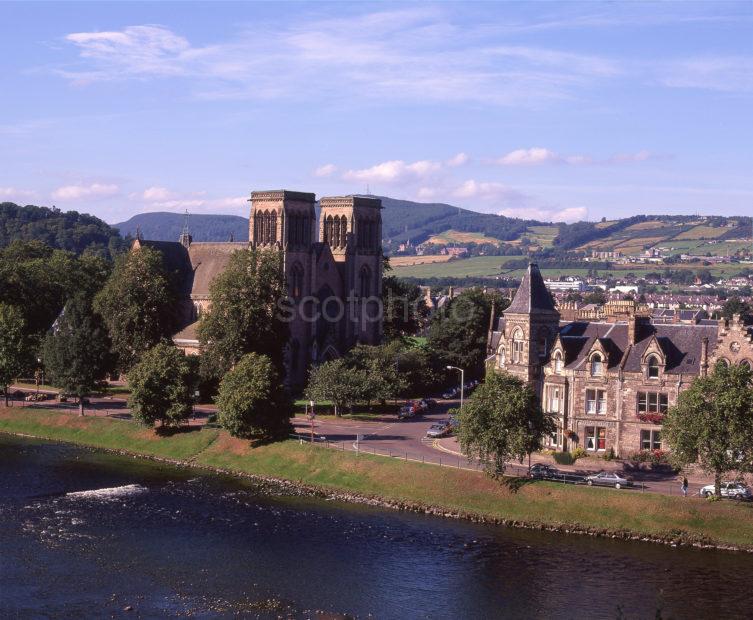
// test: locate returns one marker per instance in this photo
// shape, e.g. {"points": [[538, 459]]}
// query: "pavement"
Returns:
{"points": [[388, 436]]}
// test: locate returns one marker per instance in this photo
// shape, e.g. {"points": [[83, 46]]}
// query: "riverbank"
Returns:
{"points": [[412, 486]]}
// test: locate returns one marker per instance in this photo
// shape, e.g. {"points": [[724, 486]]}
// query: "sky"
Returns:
{"points": [[555, 111]]}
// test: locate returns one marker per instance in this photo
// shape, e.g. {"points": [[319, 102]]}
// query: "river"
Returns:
{"points": [[89, 534]]}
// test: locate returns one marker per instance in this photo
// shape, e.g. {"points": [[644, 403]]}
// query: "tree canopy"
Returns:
{"points": [[161, 387], [712, 423], [64, 230], [15, 350], [252, 402], [245, 316], [502, 421], [404, 308], [458, 332], [139, 305], [76, 352]]}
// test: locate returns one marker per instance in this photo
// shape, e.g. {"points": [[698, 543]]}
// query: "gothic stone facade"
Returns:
{"points": [[607, 382], [332, 265]]}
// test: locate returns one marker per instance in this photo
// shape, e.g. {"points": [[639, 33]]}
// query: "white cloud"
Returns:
{"points": [[529, 157], [395, 171], [459, 160], [327, 170], [14, 193], [79, 192], [152, 194], [538, 156], [393, 54], [545, 214], [488, 191]]}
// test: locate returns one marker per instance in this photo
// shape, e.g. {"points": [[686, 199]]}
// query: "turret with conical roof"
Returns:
{"points": [[531, 325]]}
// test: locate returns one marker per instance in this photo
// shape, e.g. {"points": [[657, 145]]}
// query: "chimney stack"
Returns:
{"points": [[704, 355]]}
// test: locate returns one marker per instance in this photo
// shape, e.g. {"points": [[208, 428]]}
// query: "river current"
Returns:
{"points": [[86, 534]]}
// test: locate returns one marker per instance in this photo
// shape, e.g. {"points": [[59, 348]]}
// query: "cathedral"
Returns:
{"points": [[607, 380], [332, 265]]}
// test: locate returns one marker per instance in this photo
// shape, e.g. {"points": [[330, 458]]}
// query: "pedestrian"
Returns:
{"points": [[685, 487]]}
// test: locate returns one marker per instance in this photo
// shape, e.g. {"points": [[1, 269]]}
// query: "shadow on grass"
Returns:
{"points": [[517, 483], [170, 431]]}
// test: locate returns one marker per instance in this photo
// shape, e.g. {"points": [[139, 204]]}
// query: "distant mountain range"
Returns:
{"points": [[402, 220], [164, 226]]}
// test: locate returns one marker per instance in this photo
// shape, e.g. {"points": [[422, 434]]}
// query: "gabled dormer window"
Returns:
{"points": [[558, 362], [653, 367], [501, 357], [597, 365]]}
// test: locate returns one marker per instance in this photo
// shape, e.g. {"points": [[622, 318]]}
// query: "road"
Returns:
{"points": [[388, 436]]}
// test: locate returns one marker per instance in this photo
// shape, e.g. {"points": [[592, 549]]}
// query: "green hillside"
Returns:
{"points": [[63, 230], [163, 226]]}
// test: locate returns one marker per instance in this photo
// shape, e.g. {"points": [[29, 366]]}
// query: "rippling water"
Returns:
{"points": [[86, 534]]}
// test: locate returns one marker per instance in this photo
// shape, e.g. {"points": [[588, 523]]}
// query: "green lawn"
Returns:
{"points": [[476, 266], [451, 489]]}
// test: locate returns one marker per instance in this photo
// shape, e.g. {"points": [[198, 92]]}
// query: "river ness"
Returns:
{"points": [[93, 535]]}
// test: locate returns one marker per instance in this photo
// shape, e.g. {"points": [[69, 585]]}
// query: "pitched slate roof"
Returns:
{"points": [[532, 295], [680, 344], [208, 260]]}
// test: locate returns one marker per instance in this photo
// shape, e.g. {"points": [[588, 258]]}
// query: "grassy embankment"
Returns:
{"points": [[648, 514]]}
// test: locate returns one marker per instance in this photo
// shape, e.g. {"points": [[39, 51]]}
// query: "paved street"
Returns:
{"points": [[388, 436]]}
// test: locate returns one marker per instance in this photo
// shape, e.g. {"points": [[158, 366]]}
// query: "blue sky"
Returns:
{"points": [[558, 111]]}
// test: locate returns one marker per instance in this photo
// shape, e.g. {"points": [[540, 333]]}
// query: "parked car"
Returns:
{"points": [[450, 394], [731, 490], [405, 412], [439, 429], [608, 479], [431, 403], [540, 471]]}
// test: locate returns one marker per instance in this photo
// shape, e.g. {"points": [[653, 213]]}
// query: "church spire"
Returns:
{"points": [[532, 295], [185, 236]]}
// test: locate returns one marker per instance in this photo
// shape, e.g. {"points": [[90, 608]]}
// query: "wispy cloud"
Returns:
{"points": [[719, 73], [157, 198], [327, 170], [538, 156], [398, 172], [13, 193], [401, 54], [547, 214], [85, 191]]}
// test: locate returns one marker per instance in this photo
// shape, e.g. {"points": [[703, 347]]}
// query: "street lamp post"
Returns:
{"points": [[462, 383]]}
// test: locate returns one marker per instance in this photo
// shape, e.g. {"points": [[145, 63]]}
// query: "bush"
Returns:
{"points": [[609, 455], [578, 453], [563, 458], [655, 457]]}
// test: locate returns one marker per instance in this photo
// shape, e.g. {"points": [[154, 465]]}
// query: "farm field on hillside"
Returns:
{"points": [[403, 261], [477, 266], [456, 236]]}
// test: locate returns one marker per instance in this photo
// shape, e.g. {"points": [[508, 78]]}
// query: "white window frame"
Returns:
{"points": [[592, 438], [650, 439], [598, 404], [597, 365]]}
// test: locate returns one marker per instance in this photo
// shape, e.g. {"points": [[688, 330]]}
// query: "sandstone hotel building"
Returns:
{"points": [[608, 376]]}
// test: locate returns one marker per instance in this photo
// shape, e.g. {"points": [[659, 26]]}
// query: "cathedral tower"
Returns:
{"points": [[351, 226]]}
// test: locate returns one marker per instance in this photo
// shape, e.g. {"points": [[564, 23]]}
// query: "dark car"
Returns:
{"points": [[540, 471]]}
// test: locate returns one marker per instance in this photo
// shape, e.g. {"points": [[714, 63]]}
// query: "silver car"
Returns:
{"points": [[608, 479], [732, 490], [440, 429]]}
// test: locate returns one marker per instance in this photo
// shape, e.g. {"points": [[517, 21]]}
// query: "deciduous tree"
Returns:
{"points": [[712, 423], [161, 386], [252, 402], [138, 304], [15, 352], [335, 382], [503, 420], [245, 316], [76, 352]]}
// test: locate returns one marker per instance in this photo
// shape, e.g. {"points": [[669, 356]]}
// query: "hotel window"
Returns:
{"points": [[597, 365], [650, 440], [653, 367], [652, 402], [596, 402], [553, 395], [558, 362], [596, 438]]}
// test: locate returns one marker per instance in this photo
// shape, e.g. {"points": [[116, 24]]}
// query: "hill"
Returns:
{"points": [[64, 230], [163, 226]]}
